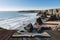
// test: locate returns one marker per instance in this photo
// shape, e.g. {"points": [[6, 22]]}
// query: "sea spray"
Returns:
{"points": [[18, 22]]}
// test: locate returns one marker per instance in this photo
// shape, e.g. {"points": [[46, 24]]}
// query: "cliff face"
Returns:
{"points": [[50, 11], [54, 13]]}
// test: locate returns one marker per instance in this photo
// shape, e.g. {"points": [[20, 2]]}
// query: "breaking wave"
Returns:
{"points": [[18, 22]]}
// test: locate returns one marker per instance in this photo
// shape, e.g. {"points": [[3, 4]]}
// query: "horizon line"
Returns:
{"points": [[26, 9]]}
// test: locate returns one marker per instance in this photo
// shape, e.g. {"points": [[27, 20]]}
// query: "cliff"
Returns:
{"points": [[29, 11], [53, 13], [50, 11]]}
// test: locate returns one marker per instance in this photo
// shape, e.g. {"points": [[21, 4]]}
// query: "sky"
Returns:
{"points": [[15, 5]]}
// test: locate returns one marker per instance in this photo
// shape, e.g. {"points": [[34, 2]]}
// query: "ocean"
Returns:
{"points": [[12, 20]]}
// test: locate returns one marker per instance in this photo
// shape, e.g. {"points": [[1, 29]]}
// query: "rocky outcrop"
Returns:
{"points": [[50, 12]]}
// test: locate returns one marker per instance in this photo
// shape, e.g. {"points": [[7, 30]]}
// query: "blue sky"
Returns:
{"points": [[28, 4]]}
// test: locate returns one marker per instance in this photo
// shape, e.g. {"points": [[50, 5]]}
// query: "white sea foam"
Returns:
{"points": [[18, 22]]}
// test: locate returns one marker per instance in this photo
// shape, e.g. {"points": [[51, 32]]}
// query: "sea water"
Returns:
{"points": [[16, 20]]}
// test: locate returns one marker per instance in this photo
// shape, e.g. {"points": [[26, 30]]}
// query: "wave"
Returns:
{"points": [[18, 22]]}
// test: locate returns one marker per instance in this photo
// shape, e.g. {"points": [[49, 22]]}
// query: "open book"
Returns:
{"points": [[32, 35]]}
